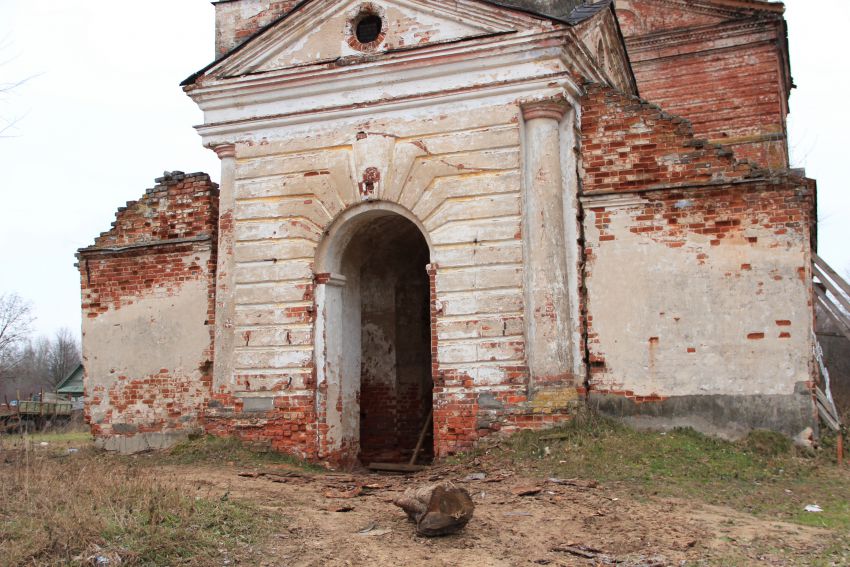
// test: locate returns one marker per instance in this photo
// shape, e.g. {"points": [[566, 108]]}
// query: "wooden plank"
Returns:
{"points": [[827, 417], [831, 310], [831, 273], [842, 299], [422, 437], [396, 467]]}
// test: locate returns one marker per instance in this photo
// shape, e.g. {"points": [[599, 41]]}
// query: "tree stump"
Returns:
{"points": [[438, 509]]}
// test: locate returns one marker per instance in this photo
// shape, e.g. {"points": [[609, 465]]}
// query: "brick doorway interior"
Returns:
{"points": [[378, 332]]}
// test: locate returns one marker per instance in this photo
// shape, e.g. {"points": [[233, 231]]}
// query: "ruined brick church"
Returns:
{"points": [[475, 216]]}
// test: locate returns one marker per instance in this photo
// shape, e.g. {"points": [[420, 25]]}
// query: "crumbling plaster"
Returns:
{"points": [[705, 319]]}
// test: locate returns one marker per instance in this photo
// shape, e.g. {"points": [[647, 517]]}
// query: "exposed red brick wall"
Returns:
{"points": [[291, 427], [726, 72], [630, 144], [156, 245]]}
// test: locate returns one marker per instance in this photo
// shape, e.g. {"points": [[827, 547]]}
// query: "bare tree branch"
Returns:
{"points": [[64, 355], [15, 327], [7, 87]]}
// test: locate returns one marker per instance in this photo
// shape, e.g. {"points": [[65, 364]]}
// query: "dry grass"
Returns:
{"points": [[67, 507]]}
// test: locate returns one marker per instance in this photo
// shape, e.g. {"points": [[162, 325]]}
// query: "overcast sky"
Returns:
{"points": [[101, 115]]}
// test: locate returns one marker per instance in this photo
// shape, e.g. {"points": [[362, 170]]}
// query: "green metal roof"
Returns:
{"points": [[73, 383]]}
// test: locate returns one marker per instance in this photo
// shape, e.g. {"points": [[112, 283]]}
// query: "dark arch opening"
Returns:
{"points": [[385, 265]]}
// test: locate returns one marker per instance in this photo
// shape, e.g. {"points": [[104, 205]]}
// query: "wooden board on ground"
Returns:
{"points": [[396, 467]]}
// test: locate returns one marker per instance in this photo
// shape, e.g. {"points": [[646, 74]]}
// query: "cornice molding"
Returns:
{"points": [[380, 64], [554, 64], [711, 32], [733, 9], [545, 86]]}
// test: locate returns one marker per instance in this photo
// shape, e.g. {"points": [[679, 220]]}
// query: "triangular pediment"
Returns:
{"points": [[326, 30], [602, 40], [642, 17]]}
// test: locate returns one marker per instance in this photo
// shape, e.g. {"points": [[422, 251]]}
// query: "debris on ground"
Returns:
{"points": [[373, 530], [578, 550], [351, 492], [578, 483], [526, 490]]}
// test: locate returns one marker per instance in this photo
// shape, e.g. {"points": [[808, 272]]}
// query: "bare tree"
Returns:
{"points": [[7, 88], [31, 373], [15, 327], [64, 355]]}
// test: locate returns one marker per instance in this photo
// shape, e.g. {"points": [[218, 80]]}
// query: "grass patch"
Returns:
{"points": [[69, 438], [64, 510], [228, 450], [762, 474]]}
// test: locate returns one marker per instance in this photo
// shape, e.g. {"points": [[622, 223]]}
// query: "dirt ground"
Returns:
{"points": [[348, 519]]}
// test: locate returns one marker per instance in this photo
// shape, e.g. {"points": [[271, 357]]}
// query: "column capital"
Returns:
{"points": [[553, 108], [225, 150]]}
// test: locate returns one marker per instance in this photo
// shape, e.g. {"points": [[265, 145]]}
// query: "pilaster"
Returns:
{"points": [[225, 310], [547, 310]]}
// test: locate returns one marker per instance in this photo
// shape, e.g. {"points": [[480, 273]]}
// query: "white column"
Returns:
{"points": [[225, 308], [547, 309]]}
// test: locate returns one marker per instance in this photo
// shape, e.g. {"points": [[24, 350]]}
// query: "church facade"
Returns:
{"points": [[461, 218]]}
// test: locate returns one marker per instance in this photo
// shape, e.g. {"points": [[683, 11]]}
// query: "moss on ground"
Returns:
{"points": [[224, 450]]}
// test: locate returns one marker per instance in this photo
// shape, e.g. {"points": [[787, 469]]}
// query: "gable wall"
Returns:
{"points": [[236, 21], [714, 331], [723, 70], [148, 315], [601, 38]]}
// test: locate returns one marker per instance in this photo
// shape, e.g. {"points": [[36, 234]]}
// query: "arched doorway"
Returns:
{"points": [[375, 335]]}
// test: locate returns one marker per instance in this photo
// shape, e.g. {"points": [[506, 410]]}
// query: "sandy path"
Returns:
{"points": [[507, 529]]}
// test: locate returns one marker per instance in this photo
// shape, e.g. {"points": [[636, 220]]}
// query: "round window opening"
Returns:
{"points": [[368, 28]]}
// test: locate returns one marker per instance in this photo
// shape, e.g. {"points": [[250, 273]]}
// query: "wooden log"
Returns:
{"points": [[438, 509]]}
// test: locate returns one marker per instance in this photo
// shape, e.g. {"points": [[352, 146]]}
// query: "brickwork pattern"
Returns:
{"points": [[629, 144], [722, 68]]}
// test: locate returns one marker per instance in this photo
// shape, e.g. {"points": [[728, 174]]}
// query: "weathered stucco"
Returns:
{"points": [[147, 303], [466, 137], [472, 213], [698, 277]]}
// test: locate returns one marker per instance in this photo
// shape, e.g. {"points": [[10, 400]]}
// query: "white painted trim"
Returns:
{"points": [[336, 280], [610, 200], [345, 225]]}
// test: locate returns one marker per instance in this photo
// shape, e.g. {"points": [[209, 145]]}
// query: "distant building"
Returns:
{"points": [[72, 385]]}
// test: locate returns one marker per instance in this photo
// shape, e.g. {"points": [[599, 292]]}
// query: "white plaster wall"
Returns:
{"points": [[162, 330], [650, 303], [457, 173]]}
